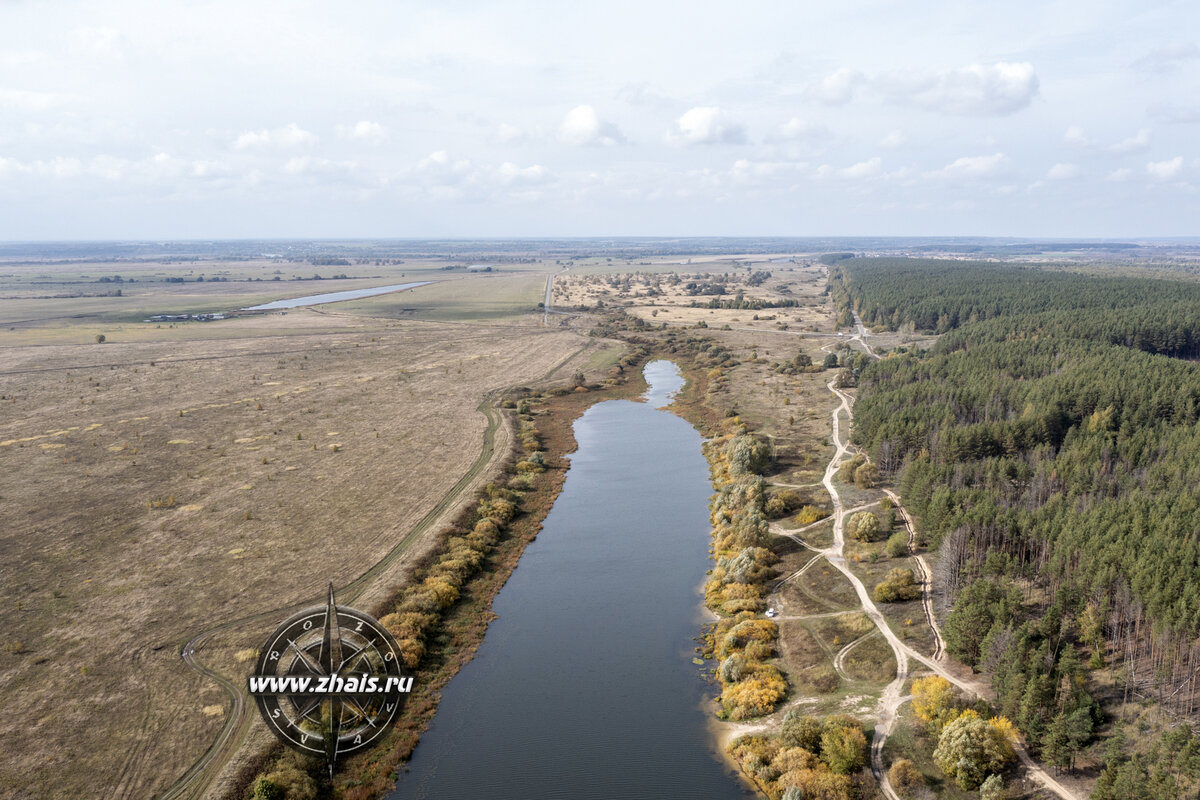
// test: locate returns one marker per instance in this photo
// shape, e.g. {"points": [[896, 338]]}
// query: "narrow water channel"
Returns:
{"points": [[584, 687], [334, 297]]}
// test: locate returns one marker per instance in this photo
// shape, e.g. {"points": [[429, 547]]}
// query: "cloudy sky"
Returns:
{"points": [[319, 119]]}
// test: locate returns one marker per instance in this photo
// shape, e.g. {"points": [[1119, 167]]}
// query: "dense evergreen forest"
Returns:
{"points": [[1049, 448]]}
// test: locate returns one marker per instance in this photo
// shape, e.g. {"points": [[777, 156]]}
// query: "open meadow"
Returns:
{"points": [[185, 475]]}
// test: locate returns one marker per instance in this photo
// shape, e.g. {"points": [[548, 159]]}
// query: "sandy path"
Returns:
{"points": [[891, 700]]}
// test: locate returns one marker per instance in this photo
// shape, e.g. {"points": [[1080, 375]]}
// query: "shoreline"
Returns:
{"points": [[463, 626], [467, 622]]}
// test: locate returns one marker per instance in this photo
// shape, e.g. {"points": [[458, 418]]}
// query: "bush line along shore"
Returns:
{"points": [[440, 613]]}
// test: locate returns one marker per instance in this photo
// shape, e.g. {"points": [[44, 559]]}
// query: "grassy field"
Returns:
{"points": [[72, 303], [177, 477], [182, 475], [504, 296]]}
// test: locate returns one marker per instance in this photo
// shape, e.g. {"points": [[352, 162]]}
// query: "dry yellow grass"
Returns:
{"points": [[201, 489]]}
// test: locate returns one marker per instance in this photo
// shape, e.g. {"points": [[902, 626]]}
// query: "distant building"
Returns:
{"points": [[185, 317]]}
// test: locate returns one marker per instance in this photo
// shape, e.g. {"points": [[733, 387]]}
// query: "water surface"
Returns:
{"points": [[584, 687], [334, 297]]}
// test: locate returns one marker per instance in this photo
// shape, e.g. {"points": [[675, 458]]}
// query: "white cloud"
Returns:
{"points": [[706, 125], [510, 173], [1165, 170], [837, 88], [641, 94], [863, 169], [1119, 175], [322, 167], [443, 177], [291, 135], [1168, 57], [362, 131], [1134, 144], [747, 172], [1075, 136], [160, 167], [24, 100], [10, 166], [509, 134], [1175, 113], [894, 139], [440, 163], [61, 167], [582, 126], [796, 129], [208, 169], [974, 90], [972, 167], [103, 42], [1063, 172]]}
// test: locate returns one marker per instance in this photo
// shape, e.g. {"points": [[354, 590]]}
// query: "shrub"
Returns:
{"points": [[865, 476], [801, 730], [445, 591], [782, 503], [905, 778], [818, 784], [732, 607], [265, 789], [754, 755], [522, 481], [792, 759], [843, 747], [992, 788], [760, 650], [420, 600], [411, 652], [846, 471], [810, 514], [899, 584], [934, 699], [897, 545], [286, 781], [969, 749], [746, 631], [733, 668], [750, 565], [756, 694], [747, 455], [863, 526], [408, 625]]}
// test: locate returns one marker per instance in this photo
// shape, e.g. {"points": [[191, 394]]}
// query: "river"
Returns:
{"points": [[334, 297], [584, 686]]}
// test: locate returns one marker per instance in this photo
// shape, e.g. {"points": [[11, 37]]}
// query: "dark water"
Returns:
{"points": [[334, 297], [584, 687]]}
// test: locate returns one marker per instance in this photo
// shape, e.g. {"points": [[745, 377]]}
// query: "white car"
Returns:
{"points": [[770, 612]]}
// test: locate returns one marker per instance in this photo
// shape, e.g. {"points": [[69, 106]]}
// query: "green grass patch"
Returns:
{"points": [[837, 632], [872, 661], [828, 586], [458, 299]]}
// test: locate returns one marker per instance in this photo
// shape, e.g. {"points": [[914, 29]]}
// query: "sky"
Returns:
{"points": [[196, 119]]}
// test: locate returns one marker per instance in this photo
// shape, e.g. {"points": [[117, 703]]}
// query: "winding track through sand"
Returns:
{"points": [[891, 699]]}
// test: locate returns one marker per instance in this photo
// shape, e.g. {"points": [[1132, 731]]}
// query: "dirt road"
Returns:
{"points": [[891, 700]]}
